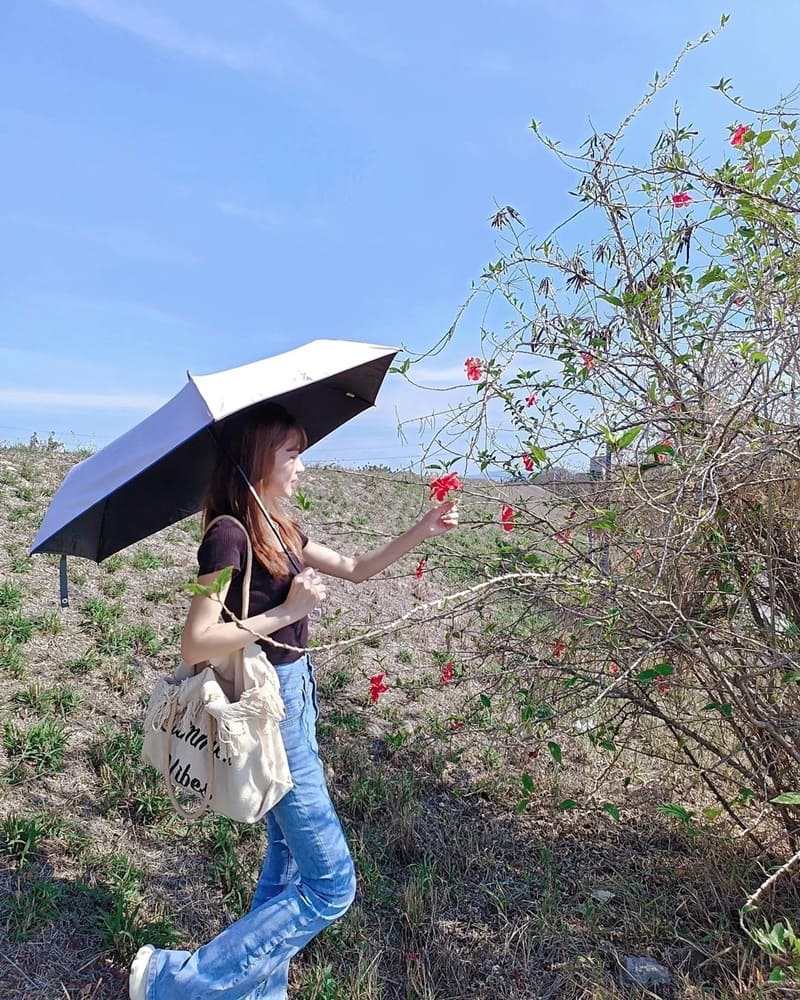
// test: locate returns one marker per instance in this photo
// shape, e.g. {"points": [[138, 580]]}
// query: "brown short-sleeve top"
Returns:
{"points": [[225, 545]]}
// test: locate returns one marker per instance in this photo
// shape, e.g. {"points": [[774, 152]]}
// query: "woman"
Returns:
{"points": [[307, 880]]}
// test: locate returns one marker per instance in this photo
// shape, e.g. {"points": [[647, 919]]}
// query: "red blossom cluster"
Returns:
{"points": [[588, 361], [564, 536], [376, 687], [448, 672], [738, 134], [527, 461], [473, 368], [441, 487], [507, 517], [559, 648], [682, 199], [666, 443], [531, 399], [420, 568]]}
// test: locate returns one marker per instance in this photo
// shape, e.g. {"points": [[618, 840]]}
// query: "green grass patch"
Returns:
{"points": [[33, 906], [21, 838], [10, 596], [145, 559], [12, 661], [59, 699], [127, 784], [15, 628], [84, 664], [39, 749]]}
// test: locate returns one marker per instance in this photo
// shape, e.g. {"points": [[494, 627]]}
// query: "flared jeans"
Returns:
{"points": [[307, 881]]}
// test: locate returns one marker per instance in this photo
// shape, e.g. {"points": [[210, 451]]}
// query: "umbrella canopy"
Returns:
{"points": [[157, 472]]}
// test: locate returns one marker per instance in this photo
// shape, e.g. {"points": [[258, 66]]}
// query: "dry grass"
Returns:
{"points": [[462, 894]]}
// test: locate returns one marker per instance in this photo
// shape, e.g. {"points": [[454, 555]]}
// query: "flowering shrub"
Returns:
{"points": [[664, 350]]}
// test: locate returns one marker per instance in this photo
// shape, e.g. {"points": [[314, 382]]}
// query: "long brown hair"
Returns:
{"points": [[251, 441]]}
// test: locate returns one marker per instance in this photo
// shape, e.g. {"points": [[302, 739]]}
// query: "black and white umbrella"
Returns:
{"points": [[157, 472]]}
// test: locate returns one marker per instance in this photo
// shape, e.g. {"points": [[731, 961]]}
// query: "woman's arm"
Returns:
{"points": [[359, 568], [205, 636]]}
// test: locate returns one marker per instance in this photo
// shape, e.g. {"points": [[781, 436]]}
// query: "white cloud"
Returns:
{"points": [[74, 400], [164, 33]]}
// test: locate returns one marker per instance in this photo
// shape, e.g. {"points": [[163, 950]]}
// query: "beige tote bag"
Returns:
{"points": [[213, 731]]}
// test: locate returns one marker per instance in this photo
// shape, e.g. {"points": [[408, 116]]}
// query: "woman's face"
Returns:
{"points": [[286, 468]]}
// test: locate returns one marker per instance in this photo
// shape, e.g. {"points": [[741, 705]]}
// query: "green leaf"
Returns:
{"points": [[486, 701], [555, 751], [778, 975], [527, 783], [612, 300], [720, 706], [612, 810], [538, 454], [211, 589], [675, 811], [711, 813], [566, 805], [787, 799], [629, 436], [763, 137], [714, 273]]}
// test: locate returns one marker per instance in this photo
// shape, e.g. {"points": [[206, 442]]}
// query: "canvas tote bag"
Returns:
{"points": [[212, 730]]}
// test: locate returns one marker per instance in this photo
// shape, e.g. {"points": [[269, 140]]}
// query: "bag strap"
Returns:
{"points": [[203, 807], [248, 566]]}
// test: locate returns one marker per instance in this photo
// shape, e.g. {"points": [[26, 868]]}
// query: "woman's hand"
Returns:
{"points": [[440, 519], [305, 593]]}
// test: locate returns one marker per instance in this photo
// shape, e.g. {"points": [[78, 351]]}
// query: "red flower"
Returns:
{"points": [[531, 399], [474, 369], [738, 300], [456, 725], [533, 754], [448, 673], [588, 361], [376, 687], [441, 487], [559, 648], [527, 461], [662, 685], [421, 568], [613, 668], [738, 134], [563, 536], [667, 443], [637, 553], [681, 200], [507, 517]]}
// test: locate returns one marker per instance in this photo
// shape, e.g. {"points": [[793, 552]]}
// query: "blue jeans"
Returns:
{"points": [[307, 882]]}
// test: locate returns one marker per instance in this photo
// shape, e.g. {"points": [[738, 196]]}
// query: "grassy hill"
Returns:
{"points": [[466, 889]]}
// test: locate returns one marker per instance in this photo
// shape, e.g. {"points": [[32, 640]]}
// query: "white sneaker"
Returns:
{"points": [[138, 974]]}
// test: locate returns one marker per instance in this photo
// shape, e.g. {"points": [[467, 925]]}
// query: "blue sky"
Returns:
{"points": [[193, 185]]}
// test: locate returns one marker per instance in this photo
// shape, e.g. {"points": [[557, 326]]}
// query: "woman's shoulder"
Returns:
{"points": [[224, 544]]}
